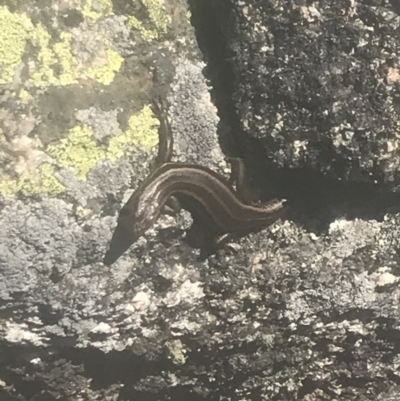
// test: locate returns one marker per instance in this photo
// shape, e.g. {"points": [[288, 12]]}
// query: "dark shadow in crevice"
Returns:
{"points": [[315, 200], [115, 367], [211, 41]]}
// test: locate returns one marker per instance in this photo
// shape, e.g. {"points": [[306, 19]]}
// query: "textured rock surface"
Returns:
{"points": [[305, 310], [318, 83]]}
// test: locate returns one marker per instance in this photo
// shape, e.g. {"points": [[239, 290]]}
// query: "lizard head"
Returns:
{"points": [[135, 218]]}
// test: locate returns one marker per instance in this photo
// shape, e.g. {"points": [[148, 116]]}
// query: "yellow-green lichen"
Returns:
{"points": [[66, 60], [14, 32], [43, 183], [83, 212], [177, 352], [142, 131], [78, 150], [158, 17], [25, 96], [106, 73], [8, 188], [81, 152], [95, 9], [158, 14], [59, 56], [48, 58]]}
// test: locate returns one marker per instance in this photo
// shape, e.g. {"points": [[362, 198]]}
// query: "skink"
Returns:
{"points": [[219, 212]]}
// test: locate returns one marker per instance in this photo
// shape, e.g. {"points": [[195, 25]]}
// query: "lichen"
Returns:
{"points": [[78, 150], [25, 96], [158, 17], [106, 73], [177, 352], [43, 183], [95, 9], [142, 131], [14, 32], [58, 56], [49, 57]]}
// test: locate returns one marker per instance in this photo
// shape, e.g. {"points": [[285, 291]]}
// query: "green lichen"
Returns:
{"points": [[147, 34], [82, 212], [71, 71], [25, 96], [78, 151], [106, 73], [142, 132], [177, 352], [60, 55], [158, 17], [65, 59], [14, 32], [43, 183], [48, 185], [8, 188], [158, 14], [95, 9], [16, 29]]}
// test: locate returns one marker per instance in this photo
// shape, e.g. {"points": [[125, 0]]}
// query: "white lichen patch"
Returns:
{"points": [[20, 333]]}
